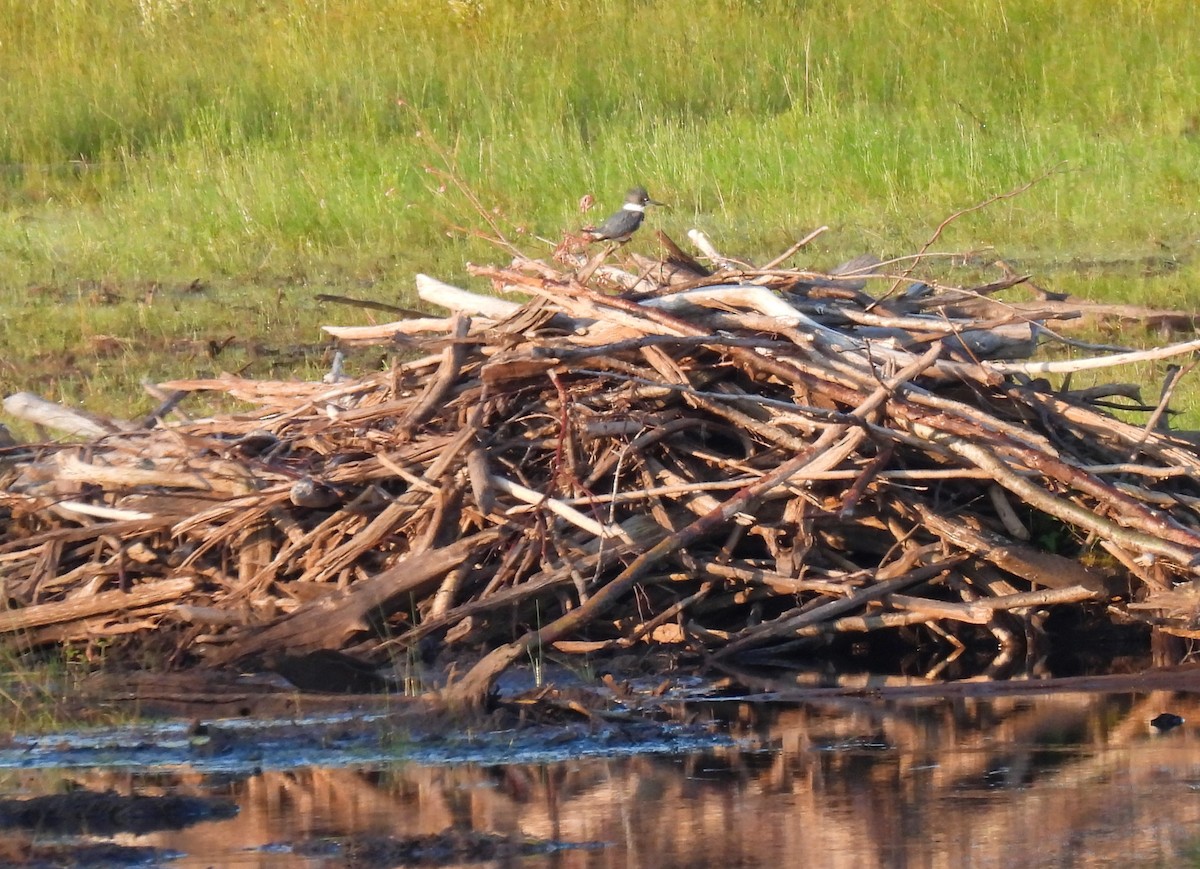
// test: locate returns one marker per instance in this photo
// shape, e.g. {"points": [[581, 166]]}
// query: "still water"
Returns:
{"points": [[1063, 780]]}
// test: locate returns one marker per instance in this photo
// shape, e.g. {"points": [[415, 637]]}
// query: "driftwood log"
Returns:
{"points": [[736, 464]]}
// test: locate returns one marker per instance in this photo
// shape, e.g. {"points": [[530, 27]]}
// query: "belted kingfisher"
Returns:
{"points": [[625, 222]]}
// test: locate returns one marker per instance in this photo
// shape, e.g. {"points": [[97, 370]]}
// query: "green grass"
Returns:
{"points": [[258, 147]]}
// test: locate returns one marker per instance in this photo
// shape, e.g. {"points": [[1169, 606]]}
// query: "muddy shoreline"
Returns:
{"points": [[185, 744]]}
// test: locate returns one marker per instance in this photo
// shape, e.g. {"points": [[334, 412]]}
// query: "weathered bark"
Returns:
{"points": [[331, 622], [727, 462]]}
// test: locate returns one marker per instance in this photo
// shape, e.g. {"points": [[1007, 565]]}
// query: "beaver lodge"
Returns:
{"points": [[739, 464]]}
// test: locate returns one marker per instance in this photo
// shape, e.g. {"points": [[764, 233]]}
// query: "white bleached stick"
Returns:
{"points": [[570, 514], [457, 299]]}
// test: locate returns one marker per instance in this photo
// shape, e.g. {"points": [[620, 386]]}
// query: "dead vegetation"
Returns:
{"points": [[735, 462]]}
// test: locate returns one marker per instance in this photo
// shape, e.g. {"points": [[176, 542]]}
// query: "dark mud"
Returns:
{"points": [[105, 814], [230, 747], [18, 854], [291, 728], [435, 849]]}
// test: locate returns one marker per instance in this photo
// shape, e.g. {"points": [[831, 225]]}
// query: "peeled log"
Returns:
{"points": [[75, 423]]}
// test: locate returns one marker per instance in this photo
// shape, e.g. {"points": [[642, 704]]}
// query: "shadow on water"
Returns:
{"points": [[1067, 778]]}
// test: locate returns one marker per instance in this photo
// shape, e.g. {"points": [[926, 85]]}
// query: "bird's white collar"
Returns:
{"points": [[633, 206]]}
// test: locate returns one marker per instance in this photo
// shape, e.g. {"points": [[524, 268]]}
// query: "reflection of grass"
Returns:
{"points": [[258, 148]]}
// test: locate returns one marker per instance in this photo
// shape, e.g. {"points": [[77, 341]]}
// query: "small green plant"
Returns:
{"points": [[33, 694], [537, 656]]}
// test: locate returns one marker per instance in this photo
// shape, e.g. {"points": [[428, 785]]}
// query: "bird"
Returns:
{"points": [[625, 222], [1165, 721], [328, 671]]}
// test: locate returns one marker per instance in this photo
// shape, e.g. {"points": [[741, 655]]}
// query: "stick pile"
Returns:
{"points": [[743, 463]]}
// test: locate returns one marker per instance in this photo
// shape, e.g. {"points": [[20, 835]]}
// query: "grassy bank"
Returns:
{"points": [[258, 149]]}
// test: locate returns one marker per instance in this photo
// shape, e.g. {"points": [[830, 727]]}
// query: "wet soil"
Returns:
{"points": [[231, 728], [85, 814], [436, 849], [21, 854], [105, 814]]}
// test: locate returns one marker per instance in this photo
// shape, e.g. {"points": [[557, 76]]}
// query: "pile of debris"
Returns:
{"points": [[735, 461]]}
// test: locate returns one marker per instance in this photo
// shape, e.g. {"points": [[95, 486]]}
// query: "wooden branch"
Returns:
{"points": [[1064, 366], [439, 386], [227, 479], [592, 471], [98, 511], [387, 331], [474, 686], [790, 626], [76, 423], [1187, 555], [103, 603], [328, 622], [709, 250], [796, 248], [558, 508], [463, 301]]}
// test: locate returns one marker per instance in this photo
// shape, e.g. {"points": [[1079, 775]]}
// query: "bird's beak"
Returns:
{"points": [[656, 202]]}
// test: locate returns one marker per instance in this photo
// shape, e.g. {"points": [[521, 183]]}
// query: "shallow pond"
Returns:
{"points": [[1059, 779]]}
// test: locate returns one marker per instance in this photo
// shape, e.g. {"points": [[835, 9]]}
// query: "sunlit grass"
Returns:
{"points": [[259, 149], [34, 697]]}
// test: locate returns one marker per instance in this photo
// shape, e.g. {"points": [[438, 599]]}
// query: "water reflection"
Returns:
{"points": [[1072, 779]]}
